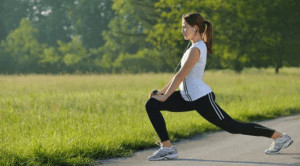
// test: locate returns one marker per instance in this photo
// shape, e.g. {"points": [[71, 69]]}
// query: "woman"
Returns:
{"points": [[194, 94]]}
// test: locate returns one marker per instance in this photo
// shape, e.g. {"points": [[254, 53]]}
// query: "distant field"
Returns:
{"points": [[75, 119]]}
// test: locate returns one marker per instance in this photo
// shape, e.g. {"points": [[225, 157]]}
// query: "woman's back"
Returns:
{"points": [[193, 86]]}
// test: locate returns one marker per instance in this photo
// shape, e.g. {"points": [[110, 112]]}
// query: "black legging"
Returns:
{"points": [[207, 108]]}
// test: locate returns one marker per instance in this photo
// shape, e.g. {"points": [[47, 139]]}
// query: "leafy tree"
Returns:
{"points": [[73, 54], [144, 61], [53, 20], [141, 36], [246, 33], [51, 61], [90, 25], [127, 30], [11, 13], [280, 39], [21, 49], [166, 34], [68, 57]]}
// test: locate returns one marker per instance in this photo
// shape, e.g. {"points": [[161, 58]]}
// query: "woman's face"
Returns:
{"points": [[187, 30]]}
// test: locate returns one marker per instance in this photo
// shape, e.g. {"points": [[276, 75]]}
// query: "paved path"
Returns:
{"points": [[225, 149]]}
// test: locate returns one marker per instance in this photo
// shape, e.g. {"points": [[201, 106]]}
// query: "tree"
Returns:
{"points": [[11, 13], [166, 34], [127, 30], [90, 25], [73, 55], [281, 34], [53, 20], [108, 35], [143, 61], [51, 61], [21, 49], [245, 33]]}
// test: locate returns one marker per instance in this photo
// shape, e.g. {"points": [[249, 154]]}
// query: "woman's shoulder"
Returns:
{"points": [[200, 45]]}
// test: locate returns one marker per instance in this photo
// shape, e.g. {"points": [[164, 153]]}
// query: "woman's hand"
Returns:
{"points": [[160, 97], [157, 93]]}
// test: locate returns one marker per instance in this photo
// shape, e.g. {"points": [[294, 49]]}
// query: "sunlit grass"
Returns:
{"points": [[74, 119]]}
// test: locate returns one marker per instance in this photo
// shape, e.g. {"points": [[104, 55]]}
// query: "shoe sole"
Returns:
{"points": [[288, 144], [172, 156], [284, 146], [169, 157]]}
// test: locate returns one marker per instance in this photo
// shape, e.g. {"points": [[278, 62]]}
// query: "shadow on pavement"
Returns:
{"points": [[233, 162], [289, 154]]}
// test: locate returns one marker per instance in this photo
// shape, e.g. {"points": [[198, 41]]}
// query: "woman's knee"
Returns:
{"points": [[151, 104]]}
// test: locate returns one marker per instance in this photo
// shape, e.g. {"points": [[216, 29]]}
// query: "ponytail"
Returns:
{"points": [[208, 36], [196, 19]]}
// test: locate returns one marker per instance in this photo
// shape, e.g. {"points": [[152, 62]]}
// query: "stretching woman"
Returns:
{"points": [[194, 94]]}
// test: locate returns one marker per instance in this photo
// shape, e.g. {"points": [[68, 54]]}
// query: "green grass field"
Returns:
{"points": [[76, 119]]}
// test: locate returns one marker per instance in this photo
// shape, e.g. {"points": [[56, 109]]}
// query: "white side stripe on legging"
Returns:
{"points": [[219, 113], [258, 127]]}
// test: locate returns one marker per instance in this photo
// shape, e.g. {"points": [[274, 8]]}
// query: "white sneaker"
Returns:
{"points": [[162, 153], [279, 144]]}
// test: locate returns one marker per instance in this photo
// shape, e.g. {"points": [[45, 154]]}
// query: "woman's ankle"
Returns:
{"points": [[167, 143], [277, 135]]}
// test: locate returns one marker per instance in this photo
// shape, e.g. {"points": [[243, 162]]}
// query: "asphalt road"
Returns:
{"points": [[225, 149]]}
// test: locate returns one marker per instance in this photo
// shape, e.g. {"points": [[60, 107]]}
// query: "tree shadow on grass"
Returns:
{"points": [[276, 114]]}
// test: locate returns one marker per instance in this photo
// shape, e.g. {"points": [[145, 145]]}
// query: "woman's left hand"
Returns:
{"points": [[161, 98]]}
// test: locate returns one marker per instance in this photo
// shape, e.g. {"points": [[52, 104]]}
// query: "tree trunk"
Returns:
{"points": [[277, 69]]}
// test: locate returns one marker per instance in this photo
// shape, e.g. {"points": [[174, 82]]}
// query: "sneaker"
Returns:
{"points": [[279, 144], [162, 153]]}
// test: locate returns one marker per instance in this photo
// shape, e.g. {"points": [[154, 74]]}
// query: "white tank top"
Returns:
{"points": [[193, 87]]}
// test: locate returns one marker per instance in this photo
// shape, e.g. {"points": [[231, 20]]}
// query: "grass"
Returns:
{"points": [[76, 119]]}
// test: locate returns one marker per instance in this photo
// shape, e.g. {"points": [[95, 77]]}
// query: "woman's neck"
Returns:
{"points": [[196, 39]]}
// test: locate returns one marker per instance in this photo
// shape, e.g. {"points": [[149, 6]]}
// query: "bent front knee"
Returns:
{"points": [[151, 104]]}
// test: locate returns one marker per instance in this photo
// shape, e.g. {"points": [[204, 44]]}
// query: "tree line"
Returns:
{"points": [[113, 36]]}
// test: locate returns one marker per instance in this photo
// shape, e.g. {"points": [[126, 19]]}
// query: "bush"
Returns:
{"points": [[144, 61]]}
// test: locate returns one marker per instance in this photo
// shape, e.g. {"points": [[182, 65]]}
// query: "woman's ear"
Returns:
{"points": [[195, 28]]}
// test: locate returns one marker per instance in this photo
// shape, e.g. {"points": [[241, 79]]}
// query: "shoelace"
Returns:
{"points": [[160, 145], [276, 141], [272, 145]]}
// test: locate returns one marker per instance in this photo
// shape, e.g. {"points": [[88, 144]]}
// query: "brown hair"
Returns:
{"points": [[196, 19]]}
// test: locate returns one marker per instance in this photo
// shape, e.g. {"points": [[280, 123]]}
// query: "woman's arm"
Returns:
{"points": [[163, 91], [192, 59]]}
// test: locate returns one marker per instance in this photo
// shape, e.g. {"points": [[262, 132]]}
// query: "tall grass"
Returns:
{"points": [[74, 119]]}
